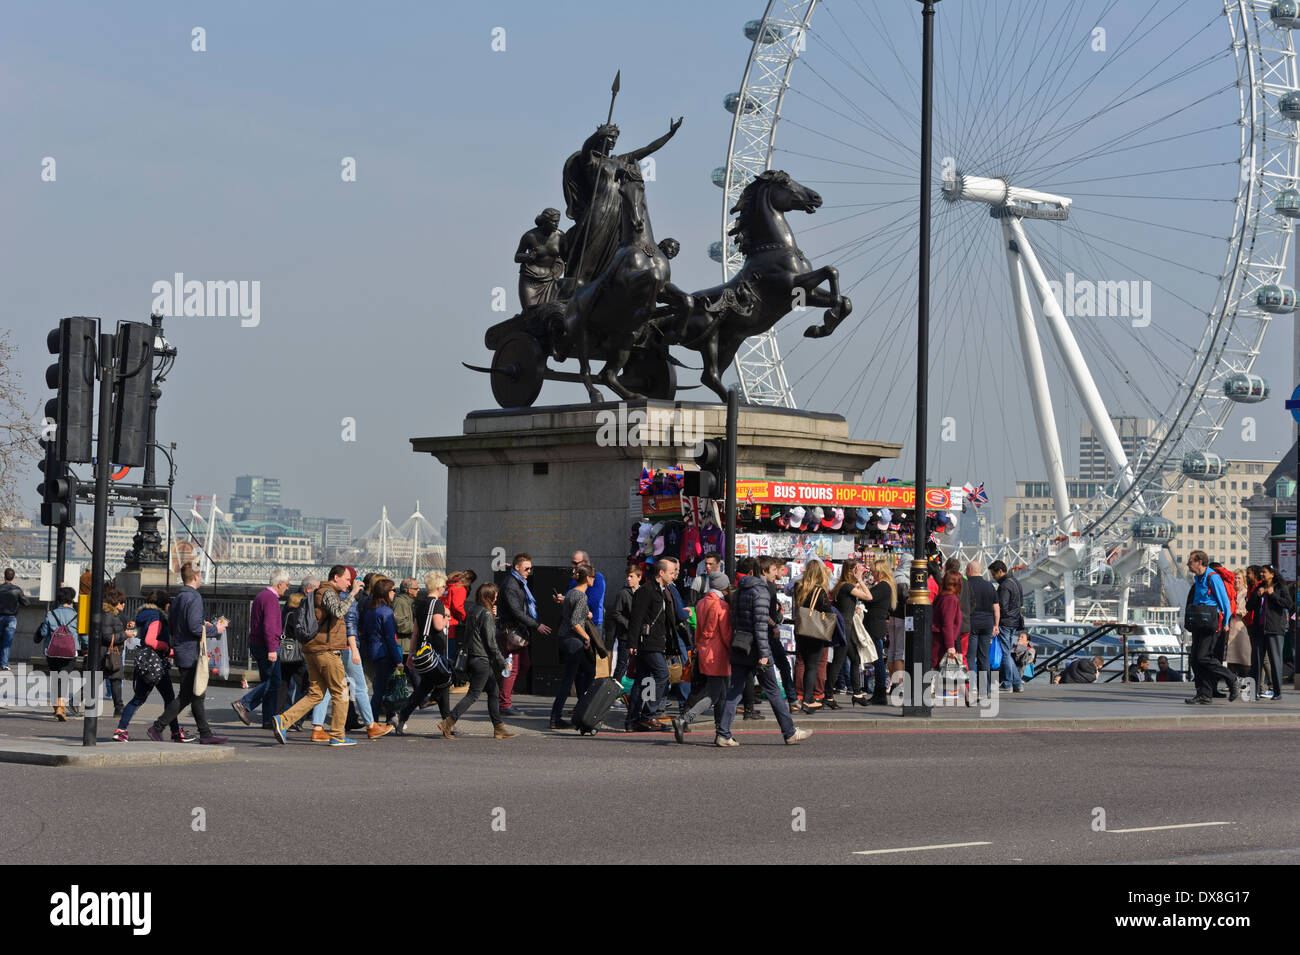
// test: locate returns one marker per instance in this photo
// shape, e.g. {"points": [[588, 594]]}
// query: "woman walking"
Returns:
{"points": [[947, 620], [62, 646], [1272, 603], [578, 643], [478, 635], [459, 586], [848, 596], [811, 593], [379, 628], [151, 624], [878, 615], [112, 635], [713, 653], [431, 620]]}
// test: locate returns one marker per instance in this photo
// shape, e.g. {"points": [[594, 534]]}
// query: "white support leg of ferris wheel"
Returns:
{"points": [[1075, 364], [1067, 585], [1040, 395]]}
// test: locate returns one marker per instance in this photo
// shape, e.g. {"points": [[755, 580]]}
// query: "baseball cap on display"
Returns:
{"points": [[818, 516], [860, 518], [795, 517], [835, 520]]}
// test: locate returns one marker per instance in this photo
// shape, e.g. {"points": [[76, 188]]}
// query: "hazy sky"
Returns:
{"points": [[225, 165]]}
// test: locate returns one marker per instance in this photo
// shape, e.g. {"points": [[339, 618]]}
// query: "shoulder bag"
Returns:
{"points": [[201, 669], [112, 658], [814, 624]]}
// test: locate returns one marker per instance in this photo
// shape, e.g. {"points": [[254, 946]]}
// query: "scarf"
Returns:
{"points": [[530, 605]]}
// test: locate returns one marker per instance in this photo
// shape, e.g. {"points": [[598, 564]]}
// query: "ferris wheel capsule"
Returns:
{"points": [[1279, 299], [754, 30], [1203, 466], [1154, 530], [1288, 104], [731, 103], [715, 251], [1287, 203], [1245, 388], [1285, 14], [719, 176]]}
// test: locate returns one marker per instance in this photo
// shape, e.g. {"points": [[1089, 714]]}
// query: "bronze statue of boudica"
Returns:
{"points": [[602, 290]]}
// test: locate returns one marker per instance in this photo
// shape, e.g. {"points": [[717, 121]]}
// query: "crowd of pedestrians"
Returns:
{"points": [[350, 654]]}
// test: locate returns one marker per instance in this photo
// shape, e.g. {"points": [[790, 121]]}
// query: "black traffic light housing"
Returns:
{"points": [[710, 481], [58, 492], [72, 377], [134, 342]]}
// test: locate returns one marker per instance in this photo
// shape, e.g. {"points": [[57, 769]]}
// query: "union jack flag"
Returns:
{"points": [[695, 510], [979, 496]]}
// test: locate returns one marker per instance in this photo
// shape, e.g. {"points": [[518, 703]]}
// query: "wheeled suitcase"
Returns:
{"points": [[589, 715]]}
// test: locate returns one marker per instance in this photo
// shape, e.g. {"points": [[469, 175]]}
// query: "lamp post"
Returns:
{"points": [[917, 653]]}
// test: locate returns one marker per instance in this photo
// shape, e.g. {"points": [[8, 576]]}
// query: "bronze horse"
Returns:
{"points": [[763, 291]]}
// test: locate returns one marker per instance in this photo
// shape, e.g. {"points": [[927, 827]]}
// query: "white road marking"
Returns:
{"points": [[950, 845], [1185, 825]]}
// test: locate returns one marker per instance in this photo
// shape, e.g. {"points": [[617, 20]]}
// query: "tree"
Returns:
{"points": [[19, 445]]}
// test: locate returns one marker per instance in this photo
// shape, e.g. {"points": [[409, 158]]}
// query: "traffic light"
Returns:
{"points": [[58, 492], [133, 385], [710, 481], [73, 378]]}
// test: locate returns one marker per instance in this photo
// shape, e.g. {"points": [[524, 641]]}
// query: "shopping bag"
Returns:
{"points": [[219, 656]]}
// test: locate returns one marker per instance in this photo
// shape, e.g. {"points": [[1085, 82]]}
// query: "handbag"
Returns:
{"points": [[201, 669], [814, 624], [112, 659], [290, 650], [460, 669], [150, 666], [399, 690], [1202, 617], [995, 653], [510, 641]]}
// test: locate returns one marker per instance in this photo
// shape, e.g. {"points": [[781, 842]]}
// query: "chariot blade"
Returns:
{"points": [[486, 371]]}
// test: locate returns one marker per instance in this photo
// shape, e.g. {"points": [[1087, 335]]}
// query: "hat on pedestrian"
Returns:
{"points": [[718, 581]]}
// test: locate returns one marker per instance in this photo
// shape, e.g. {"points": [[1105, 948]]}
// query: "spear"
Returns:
{"points": [[613, 95]]}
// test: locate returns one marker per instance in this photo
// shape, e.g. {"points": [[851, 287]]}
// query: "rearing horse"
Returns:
{"points": [[763, 291], [610, 311]]}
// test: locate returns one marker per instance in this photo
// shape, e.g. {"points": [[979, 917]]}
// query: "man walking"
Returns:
{"points": [[985, 620], [751, 650], [595, 593], [1207, 613], [1010, 622], [403, 613], [187, 626], [517, 614], [11, 598], [324, 668], [265, 626], [651, 629]]}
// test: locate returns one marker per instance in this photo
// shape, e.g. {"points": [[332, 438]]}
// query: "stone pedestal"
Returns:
{"points": [[135, 582], [555, 479]]}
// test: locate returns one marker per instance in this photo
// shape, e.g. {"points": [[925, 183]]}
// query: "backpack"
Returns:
{"points": [[302, 624], [1229, 584], [63, 638]]}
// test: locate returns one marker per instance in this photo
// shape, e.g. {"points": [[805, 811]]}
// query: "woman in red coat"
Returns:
{"points": [[947, 620], [458, 587], [713, 653]]}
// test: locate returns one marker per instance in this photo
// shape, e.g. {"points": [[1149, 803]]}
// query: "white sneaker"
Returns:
{"points": [[724, 741], [797, 736]]}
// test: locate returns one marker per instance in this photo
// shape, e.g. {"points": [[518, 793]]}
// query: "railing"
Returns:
{"points": [[234, 609], [1071, 650]]}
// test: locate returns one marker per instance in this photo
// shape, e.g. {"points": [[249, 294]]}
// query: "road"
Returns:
{"points": [[991, 797]]}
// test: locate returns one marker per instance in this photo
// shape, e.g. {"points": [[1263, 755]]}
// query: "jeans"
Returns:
{"points": [[714, 694], [652, 680], [977, 657], [579, 671], [1269, 644], [1009, 671], [519, 663], [8, 627], [383, 673], [355, 676], [621, 660], [142, 691], [268, 686], [482, 679], [740, 676], [784, 667], [186, 698]]}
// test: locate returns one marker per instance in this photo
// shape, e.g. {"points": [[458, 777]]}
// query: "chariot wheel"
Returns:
{"points": [[652, 375], [518, 370]]}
